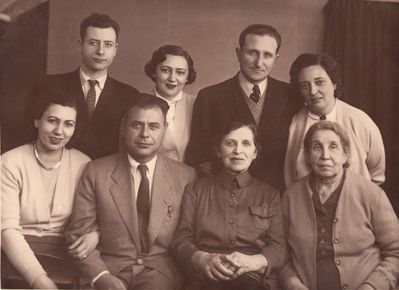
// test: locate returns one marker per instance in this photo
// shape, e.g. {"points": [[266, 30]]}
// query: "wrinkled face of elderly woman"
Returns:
{"points": [[326, 156], [237, 150], [317, 89]]}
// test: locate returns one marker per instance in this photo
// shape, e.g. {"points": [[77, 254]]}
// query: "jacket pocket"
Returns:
{"points": [[262, 216]]}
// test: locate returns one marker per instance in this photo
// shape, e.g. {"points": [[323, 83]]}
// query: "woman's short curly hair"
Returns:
{"points": [[159, 56]]}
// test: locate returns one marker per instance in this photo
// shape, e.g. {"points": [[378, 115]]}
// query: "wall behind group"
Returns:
{"points": [[207, 29]]}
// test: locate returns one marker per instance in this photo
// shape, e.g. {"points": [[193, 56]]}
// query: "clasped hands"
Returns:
{"points": [[221, 267]]}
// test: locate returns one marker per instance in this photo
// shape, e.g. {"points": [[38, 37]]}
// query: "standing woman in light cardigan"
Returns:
{"points": [[38, 183], [317, 78], [171, 68]]}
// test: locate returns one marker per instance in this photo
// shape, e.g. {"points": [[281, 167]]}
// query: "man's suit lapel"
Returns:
{"points": [[105, 100], [162, 198], [242, 109], [123, 196], [75, 89], [273, 108]]}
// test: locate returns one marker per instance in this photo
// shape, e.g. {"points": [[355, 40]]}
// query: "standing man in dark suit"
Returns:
{"points": [[251, 95], [101, 99], [133, 198]]}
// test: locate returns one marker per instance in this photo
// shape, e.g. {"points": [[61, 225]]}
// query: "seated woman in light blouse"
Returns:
{"points": [[230, 233], [38, 182], [341, 229], [171, 68]]}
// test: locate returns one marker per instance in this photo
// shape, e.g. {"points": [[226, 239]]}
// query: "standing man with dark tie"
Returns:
{"points": [[101, 99], [250, 96], [134, 199]]}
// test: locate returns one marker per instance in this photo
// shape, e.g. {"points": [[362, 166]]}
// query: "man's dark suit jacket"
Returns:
{"points": [[96, 136], [216, 106]]}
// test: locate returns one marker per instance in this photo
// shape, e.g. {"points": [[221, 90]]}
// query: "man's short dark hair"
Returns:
{"points": [[100, 21], [147, 101], [260, 29]]}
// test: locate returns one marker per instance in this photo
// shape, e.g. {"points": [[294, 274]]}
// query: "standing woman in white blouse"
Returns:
{"points": [[38, 183], [171, 68], [317, 78]]}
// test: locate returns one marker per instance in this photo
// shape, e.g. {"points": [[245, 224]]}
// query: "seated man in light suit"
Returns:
{"points": [[136, 210]]}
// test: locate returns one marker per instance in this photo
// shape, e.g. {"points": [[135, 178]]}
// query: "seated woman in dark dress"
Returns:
{"points": [[230, 233]]}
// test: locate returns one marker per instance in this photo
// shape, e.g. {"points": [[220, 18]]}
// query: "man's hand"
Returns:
{"points": [[84, 245], [212, 266], [43, 282], [108, 281]]}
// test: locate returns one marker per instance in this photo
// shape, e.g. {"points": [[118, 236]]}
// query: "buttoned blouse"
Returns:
{"points": [[225, 213]]}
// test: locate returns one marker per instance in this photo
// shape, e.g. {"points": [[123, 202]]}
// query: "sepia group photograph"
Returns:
{"points": [[199, 144]]}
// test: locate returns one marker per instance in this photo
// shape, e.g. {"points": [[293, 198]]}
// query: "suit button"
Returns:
{"points": [[338, 262], [335, 220], [336, 241], [140, 261], [345, 286]]}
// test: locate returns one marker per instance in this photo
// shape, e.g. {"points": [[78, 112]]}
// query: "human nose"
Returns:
{"points": [[313, 89], [100, 49], [259, 60], [58, 129], [237, 149], [325, 153], [144, 132], [172, 76]]}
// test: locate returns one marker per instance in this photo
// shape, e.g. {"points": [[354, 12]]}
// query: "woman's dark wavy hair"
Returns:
{"points": [[334, 127], [159, 56], [38, 102], [332, 68]]}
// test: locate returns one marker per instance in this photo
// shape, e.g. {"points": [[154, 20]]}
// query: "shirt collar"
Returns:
{"points": [[226, 179], [332, 116], [150, 164], [247, 86], [177, 98], [84, 78]]}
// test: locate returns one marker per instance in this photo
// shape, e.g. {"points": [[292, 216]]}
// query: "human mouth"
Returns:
{"points": [[170, 86], [55, 140], [236, 159], [99, 60], [144, 145], [316, 100]]}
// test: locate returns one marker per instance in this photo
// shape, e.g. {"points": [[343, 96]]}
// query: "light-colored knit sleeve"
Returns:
{"points": [[13, 242], [376, 154], [20, 255]]}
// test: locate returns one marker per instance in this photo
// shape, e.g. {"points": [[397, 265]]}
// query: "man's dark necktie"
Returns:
{"points": [[255, 95], [323, 117], [143, 205], [91, 97]]}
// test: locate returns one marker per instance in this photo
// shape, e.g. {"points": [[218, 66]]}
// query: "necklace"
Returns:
{"points": [[42, 164]]}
